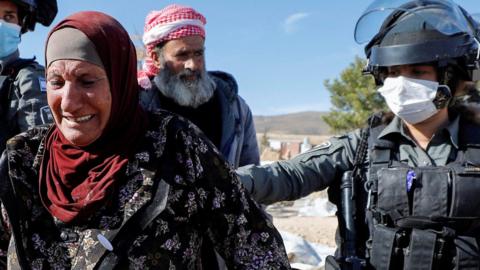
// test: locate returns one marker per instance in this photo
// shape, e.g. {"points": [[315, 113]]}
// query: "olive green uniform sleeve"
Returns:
{"points": [[28, 100], [312, 171]]}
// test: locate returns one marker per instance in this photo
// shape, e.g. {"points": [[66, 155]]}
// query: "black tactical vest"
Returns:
{"points": [[7, 79], [423, 217]]}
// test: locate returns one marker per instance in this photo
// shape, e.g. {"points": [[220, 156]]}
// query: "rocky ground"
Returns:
{"points": [[301, 218], [317, 225], [320, 230]]}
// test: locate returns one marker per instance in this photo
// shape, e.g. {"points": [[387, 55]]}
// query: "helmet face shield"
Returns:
{"points": [[31, 3], [402, 32], [444, 16], [439, 50], [476, 17]]}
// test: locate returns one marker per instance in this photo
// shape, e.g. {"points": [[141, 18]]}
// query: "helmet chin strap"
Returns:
{"points": [[24, 25], [443, 96], [478, 47], [476, 71]]}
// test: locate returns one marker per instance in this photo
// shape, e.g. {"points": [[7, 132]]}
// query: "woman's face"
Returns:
{"points": [[78, 94], [420, 72]]}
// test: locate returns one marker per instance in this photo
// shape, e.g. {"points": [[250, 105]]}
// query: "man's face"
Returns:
{"points": [[181, 54], [9, 12], [182, 75]]}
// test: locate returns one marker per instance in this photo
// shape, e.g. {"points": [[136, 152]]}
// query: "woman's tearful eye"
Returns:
{"points": [[89, 82], [55, 83]]}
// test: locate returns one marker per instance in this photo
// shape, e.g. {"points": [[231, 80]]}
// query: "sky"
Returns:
{"points": [[279, 51]]}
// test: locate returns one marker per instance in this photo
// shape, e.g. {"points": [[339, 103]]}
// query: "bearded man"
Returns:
{"points": [[175, 79]]}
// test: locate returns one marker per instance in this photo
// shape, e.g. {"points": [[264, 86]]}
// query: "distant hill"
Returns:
{"points": [[295, 123]]}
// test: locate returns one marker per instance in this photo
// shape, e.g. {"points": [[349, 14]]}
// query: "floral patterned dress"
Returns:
{"points": [[204, 199]]}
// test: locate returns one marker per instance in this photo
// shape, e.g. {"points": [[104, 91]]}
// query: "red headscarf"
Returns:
{"points": [[76, 181]]}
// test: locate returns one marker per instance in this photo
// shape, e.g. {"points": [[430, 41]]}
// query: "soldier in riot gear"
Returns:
{"points": [[407, 187], [23, 101]]}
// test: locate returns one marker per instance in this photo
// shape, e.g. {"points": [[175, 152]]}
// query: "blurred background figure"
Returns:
{"points": [[23, 101], [175, 79]]}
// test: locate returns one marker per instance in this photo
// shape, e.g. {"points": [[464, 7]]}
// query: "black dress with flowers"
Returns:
{"points": [[205, 199]]}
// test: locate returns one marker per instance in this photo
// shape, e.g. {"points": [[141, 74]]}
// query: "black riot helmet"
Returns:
{"points": [[408, 32], [36, 11]]}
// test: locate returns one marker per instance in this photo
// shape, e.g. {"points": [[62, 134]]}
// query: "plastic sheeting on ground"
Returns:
{"points": [[304, 255]]}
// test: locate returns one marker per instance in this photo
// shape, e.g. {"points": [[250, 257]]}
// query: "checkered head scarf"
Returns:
{"points": [[172, 22]]}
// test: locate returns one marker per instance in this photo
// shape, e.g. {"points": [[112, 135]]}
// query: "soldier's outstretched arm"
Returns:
{"points": [[314, 170]]}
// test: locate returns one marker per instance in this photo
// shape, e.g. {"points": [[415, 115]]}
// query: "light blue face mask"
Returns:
{"points": [[9, 38]]}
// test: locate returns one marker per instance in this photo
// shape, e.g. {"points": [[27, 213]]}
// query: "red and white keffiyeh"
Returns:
{"points": [[172, 22]]}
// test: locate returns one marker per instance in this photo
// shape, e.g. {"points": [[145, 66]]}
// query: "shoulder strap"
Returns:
{"points": [[368, 135], [469, 133], [469, 140], [380, 156], [14, 67], [123, 237], [8, 77], [363, 146], [380, 149]]}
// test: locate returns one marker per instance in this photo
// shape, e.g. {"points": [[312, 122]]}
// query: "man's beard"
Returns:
{"points": [[185, 92]]}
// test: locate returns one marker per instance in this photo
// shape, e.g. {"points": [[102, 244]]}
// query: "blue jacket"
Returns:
{"points": [[238, 141]]}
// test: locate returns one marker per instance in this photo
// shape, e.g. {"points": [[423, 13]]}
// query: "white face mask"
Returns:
{"points": [[410, 99]]}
